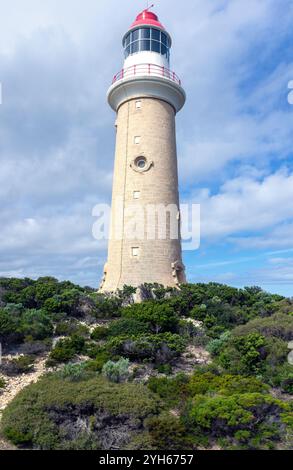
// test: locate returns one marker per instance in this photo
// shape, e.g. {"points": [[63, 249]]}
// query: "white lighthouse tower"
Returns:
{"points": [[146, 95]]}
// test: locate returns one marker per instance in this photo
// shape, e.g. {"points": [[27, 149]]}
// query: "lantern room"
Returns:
{"points": [[147, 41]]}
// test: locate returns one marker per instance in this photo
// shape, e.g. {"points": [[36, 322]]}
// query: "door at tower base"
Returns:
{"points": [[145, 245], [145, 242]]}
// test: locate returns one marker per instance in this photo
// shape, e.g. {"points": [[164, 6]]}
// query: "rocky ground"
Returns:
{"points": [[13, 385], [193, 356]]}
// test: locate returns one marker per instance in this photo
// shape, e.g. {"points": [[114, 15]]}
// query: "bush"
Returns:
{"points": [[36, 348], [173, 391], [18, 366], [85, 441], [216, 345], [2, 383], [281, 377], [68, 328], [7, 324], [253, 354], [106, 307], [160, 316], [161, 348], [116, 371], [201, 383], [98, 363], [128, 326], [167, 433], [224, 416], [36, 324], [164, 369], [92, 349], [65, 350], [100, 332], [244, 354], [73, 372], [36, 416], [278, 325]]}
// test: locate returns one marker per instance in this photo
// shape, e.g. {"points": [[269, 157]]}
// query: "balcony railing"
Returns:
{"points": [[144, 70]]}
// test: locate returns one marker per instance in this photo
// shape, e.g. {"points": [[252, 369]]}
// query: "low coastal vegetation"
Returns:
{"points": [[128, 376]]}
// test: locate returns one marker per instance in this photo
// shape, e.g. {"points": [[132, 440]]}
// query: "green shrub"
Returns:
{"points": [[226, 415], [126, 294], [128, 326], [161, 348], [281, 377], [276, 352], [2, 383], [216, 345], [7, 323], [36, 348], [68, 328], [66, 301], [253, 354], [106, 307], [176, 390], [100, 332], [78, 343], [141, 441], [65, 350], [159, 315], [244, 354], [21, 365], [201, 383], [85, 441], [116, 371], [167, 432], [36, 324], [164, 369], [92, 349], [278, 325], [29, 418], [173, 391], [73, 372], [100, 360]]}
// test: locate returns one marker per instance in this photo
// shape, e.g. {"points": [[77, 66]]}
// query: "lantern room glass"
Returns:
{"points": [[146, 39]]}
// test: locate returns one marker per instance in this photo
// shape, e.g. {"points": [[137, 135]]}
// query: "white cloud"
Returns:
{"points": [[246, 204], [276, 237]]}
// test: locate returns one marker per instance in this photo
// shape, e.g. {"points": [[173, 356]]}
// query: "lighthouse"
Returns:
{"points": [[146, 95]]}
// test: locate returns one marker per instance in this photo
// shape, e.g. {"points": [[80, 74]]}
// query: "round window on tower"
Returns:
{"points": [[141, 164]]}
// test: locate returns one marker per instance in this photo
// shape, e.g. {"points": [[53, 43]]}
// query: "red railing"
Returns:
{"points": [[146, 69]]}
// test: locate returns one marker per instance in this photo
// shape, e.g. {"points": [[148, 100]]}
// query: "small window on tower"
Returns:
{"points": [[137, 139], [138, 104], [140, 162], [136, 194], [135, 252]]}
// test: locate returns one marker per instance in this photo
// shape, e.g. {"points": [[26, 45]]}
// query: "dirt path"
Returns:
{"points": [[15, 384]]}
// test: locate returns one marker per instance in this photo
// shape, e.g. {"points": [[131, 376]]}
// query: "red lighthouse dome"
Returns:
{"points": [[148, 18]]}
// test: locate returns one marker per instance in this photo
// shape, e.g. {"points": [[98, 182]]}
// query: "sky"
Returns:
{"points": [[234, 135]]}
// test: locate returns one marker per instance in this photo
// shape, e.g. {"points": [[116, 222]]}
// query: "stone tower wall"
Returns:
{"points": [[158, 260]]}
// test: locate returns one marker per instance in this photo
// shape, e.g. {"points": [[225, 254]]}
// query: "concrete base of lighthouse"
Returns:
{"points": [[145, 128]]}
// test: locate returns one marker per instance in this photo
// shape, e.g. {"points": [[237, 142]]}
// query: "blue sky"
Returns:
{"points": [[234, 135]]}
